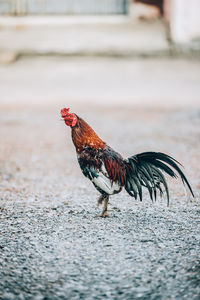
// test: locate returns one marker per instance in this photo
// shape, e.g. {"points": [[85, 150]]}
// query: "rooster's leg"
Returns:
{"points": [[104, 211], [100, 200], [103, 199]]}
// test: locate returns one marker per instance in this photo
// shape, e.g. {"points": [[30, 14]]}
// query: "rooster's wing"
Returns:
{"points": [[104, 167]]}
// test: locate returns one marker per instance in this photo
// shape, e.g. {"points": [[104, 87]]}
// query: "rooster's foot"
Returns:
{"points": [[103, 215]]}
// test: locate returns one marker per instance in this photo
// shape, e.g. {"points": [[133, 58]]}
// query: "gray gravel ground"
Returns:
{"points": [[51, 244]]}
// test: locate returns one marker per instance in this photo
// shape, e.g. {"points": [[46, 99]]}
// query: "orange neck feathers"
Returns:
{"points": [[84, 136]]}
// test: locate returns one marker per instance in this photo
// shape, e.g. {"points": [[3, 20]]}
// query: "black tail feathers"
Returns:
{"points": [[146, 169]]}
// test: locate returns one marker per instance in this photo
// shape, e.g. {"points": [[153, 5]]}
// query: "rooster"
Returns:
{"points": [[110, 172]]}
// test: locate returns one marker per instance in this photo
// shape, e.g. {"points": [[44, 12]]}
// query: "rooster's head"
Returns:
{"points": [[69, 118]]}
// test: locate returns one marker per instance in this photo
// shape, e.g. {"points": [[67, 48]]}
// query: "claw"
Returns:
{"points": [[104, 215]]}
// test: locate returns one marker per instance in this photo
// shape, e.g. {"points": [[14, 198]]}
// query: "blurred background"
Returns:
{"points": [[99, 52]]}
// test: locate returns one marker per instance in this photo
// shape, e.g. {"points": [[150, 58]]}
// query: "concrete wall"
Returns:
{"points": [[184, 20]]}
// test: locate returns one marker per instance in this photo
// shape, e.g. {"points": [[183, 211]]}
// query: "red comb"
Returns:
{"points": [[64, 112]]}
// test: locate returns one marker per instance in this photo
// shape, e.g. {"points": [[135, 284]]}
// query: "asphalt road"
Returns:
{"points": [[51, 244]]}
